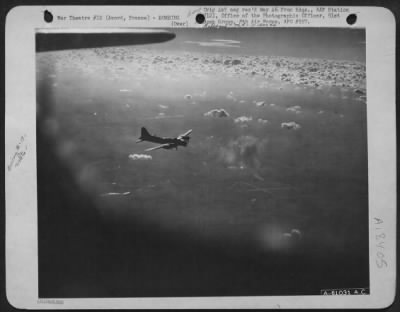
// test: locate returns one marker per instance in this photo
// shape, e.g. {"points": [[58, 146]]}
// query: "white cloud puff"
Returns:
{"points": [[262, 121], [217, 113], [217, 44], [230, 96], [243, 119], [115, 194], [296, 233], [226, 41], [243, 152], [291, 125], [140, 157], [296, 109]]}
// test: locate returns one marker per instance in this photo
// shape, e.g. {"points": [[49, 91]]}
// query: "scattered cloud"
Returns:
{"points": [[243, 119], [243, 152], [201, 94], [262, 121], [218, 44], [296, 109], [291, 125], [292, 237], [226, 41], [163, 116], [230, 96], [115, 194], [218, 113], [140, 157], [296, 233]]}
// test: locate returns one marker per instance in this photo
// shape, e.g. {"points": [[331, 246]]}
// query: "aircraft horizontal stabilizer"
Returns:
{"points": [[55, 39]]}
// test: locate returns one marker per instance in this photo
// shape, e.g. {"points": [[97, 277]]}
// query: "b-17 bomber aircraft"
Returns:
{"points": [[166, 143]]}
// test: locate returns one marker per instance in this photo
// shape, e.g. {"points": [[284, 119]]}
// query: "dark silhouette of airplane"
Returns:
{"points": [[166, 143]]}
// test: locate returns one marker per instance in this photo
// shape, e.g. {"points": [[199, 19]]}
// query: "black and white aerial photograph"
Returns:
{"points": [[194, 162]]}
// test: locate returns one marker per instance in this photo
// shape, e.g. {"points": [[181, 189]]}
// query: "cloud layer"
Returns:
{"points": [[215, 43]]}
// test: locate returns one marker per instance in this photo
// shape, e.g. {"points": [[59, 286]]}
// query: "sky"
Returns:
{"points": [[324, 43]]}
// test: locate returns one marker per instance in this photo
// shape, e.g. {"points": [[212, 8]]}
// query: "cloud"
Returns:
{"points": [[217, 113], [230, 96], [243, 119], [140, 157], [290, 125], [242, 152], [213, 44], [296, 233], [163, 116], [115, 194], [226, 41], [262, 121], [292, 238], [296, 109], [201, 94]]}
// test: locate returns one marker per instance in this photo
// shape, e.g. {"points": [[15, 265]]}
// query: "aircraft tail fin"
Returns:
{"points": [[144, 134]]}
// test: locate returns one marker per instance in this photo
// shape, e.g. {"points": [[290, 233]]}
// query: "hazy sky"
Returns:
{"points": [[326, 43]]}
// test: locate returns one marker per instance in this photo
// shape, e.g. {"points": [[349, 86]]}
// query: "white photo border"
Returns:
{"points": [[21, 182]]}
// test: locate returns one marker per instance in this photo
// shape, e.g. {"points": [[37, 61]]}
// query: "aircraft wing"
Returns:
{"points": [[157, 147], [55, 39], [186, 133]]}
